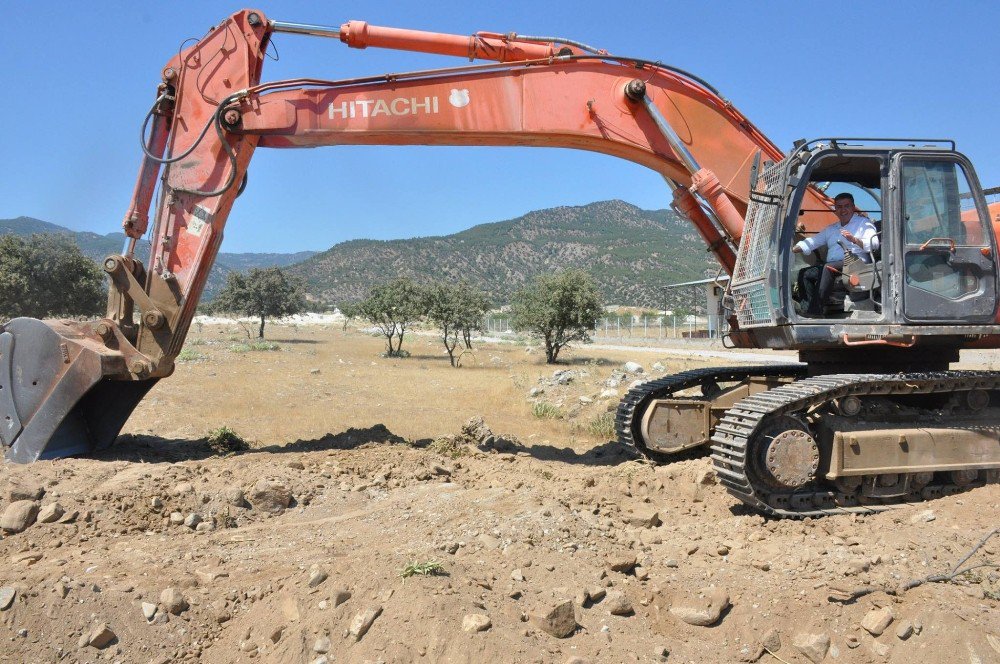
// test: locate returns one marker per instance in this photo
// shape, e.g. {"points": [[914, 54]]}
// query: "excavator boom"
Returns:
{"points": [[68, 387]]}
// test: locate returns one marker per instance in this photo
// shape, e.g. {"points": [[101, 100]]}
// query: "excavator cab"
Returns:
{"points": [[930, 272]]}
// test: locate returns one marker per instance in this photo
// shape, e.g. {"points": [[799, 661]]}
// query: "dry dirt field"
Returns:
{"points": [[367, 523]]}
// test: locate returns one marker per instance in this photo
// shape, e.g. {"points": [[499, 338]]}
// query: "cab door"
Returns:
{"points": [[948, 250]]}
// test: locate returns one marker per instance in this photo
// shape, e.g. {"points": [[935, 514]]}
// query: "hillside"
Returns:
{"points": [[630, 251], [98, 247]]}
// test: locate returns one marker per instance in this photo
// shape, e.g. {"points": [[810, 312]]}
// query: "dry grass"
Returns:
{"points": [[602, 426], [326, 380], [546, 411]]}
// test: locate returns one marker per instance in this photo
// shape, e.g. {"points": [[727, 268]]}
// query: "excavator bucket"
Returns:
{"points": [[62, 391]]}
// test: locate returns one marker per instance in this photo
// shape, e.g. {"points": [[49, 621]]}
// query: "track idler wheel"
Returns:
{"points": [[787, 454], [963, 478]]}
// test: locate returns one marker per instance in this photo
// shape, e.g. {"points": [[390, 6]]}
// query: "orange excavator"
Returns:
{"points": [[870, 416]]}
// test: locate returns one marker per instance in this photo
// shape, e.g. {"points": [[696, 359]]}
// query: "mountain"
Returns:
{"points": [[631, 252], [98, 247]]}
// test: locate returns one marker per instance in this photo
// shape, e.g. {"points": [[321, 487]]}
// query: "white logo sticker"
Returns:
{"points": [[459, 98], [195, 225], [371, 108]]}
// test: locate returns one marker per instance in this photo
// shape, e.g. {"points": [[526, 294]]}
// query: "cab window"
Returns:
{"points": [[938, 205]]}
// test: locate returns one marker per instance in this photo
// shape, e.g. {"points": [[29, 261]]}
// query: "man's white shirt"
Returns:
{"points": [[860, 227]]}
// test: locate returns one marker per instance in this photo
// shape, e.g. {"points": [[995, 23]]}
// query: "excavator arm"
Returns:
{"points": [[68, 387]]}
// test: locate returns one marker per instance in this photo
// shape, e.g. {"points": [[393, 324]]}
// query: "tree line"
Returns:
{"points": [[456, 310], [558, 308], [47, 275]]}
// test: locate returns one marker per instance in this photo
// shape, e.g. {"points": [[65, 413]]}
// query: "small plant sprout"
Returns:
{"points": [[426, 568]]}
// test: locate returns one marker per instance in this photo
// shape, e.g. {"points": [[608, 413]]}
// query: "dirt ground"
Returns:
{"points": [[365, 524]]}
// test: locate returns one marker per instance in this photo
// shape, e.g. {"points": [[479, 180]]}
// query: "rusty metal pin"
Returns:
{"points": [[153, 319], [104, 330]]}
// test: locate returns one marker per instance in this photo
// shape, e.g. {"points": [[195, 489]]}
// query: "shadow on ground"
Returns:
{"points": [[610, 453], [156, 449]]}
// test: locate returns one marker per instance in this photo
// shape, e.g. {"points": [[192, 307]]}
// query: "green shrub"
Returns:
{"points": [[427, 568], [225, 441]]}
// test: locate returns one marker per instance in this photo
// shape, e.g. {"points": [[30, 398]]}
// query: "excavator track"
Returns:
{"points": [[737, 441], [634, 403]]}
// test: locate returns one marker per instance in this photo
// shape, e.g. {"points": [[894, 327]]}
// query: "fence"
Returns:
{"points": [[638, 327]]}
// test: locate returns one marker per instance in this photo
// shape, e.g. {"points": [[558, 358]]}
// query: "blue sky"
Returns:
{"points": [[77, 79]]}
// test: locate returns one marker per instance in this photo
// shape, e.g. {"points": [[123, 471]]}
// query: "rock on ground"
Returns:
{"points": [[173, 601], [476, 622], [18, 516], [558, 621], [877, 620], [623, 563], [813, 645], [618, 604], [270, 496], [478, 433], [771, 640], [644, 517], [51, 513], [100, 636], [702, 609], [24, 490], [148, 610], [363, 621]]}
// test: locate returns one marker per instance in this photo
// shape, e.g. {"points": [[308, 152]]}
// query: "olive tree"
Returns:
{"points": [[47, 275], [264, 293], [474, 305], [456, 310], [392, 307], [560, 308]]}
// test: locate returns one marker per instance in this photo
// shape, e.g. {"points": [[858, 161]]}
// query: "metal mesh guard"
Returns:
{"points": [[749, 287], [762, 215], [751, 305]]}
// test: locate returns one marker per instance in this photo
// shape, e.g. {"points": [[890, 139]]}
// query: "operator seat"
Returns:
{"points": [[862, 282]]}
